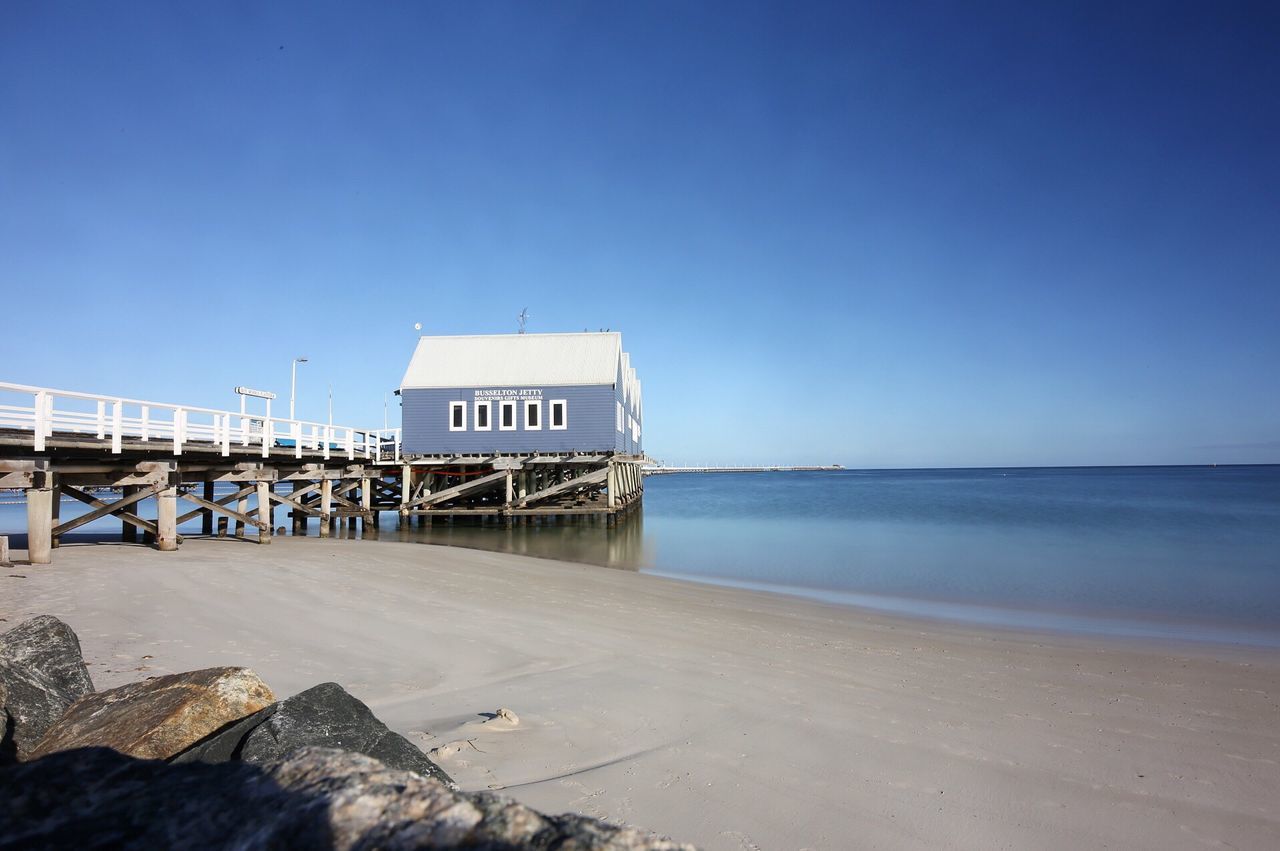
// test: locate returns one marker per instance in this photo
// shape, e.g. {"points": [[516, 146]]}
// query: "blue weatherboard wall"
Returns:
{"points": [[591, 422]]}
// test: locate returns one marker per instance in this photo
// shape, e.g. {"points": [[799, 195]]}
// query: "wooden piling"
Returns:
{"points": [[167, 518], [128, 532], [55, 511], [326, 506], [206, 517], [366, 505], [242, 507], [264, 512], [40, 524]]}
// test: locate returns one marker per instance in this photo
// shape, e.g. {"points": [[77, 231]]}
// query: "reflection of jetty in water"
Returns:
{"points": [[621, 546]]}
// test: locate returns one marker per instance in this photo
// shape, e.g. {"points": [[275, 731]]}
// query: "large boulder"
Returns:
{"points": [[158, 717], [323, 716], [315, 798], [41, 674]]}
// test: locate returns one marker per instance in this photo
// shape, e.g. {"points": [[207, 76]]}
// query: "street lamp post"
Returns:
{"points": [[293, 383]]}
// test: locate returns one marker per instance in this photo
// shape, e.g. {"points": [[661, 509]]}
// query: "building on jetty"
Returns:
{"points": [[521, 426]]}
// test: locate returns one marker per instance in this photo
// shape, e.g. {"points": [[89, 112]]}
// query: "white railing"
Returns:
{"points": [[65, 412]]}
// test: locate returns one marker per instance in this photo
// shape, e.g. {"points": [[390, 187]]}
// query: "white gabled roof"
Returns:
{"points": [[506, 360]]}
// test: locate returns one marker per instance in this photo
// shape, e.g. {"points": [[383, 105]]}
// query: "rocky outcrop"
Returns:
{"points": [[159, 717], [315, 798], [323, 716], [41, 674]]}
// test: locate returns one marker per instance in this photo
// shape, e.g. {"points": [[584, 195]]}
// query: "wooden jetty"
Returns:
{"points": [[56, 443]]}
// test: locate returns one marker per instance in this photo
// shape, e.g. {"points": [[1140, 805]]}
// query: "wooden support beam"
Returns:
{"points": [[15, 479], [128, 520], [296, 504], [595, 478], [105, 508], [229, 498], [474, 486], [242, 518]]}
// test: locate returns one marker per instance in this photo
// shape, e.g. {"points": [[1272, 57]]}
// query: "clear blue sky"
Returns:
{"points": [[927, 234]]}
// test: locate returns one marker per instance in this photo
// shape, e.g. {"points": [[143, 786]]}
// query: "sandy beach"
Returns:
{"points": [[729, 718]]}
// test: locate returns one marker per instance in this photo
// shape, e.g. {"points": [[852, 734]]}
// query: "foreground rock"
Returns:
{"points": [[323, 716], [315, 798], [159, 717], [41, 674]]}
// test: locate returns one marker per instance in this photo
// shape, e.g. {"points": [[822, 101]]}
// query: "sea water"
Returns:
{"points": [[1160, 552]]}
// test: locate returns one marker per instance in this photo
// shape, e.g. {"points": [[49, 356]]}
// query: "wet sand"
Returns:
{"points": [[729, 718]]}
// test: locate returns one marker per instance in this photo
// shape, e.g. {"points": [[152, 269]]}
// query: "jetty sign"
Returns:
{"points": [[260, 394], [510, 393]]}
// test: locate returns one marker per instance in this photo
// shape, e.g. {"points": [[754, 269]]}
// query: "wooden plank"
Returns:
{"points": [[17, 465], [483, 483], [119, 480], [596, 478], [544, 512], [106, 508], [460, 512], [125, 516]]}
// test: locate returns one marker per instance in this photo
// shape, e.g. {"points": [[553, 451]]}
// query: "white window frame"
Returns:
{"points": [[488, 420], [635, 431], [532, 403], [564, 415], [453, 406], [504, 405], [621, 428]]}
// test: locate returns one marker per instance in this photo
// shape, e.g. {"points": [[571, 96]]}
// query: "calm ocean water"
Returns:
{"points": [[1149, 551]]}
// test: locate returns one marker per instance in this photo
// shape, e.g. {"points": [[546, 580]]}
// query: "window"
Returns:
{"points": [[559, 421], [635, 431], [457, 416], [619, 416], [532, 416], [482, 416], [506, 416]]}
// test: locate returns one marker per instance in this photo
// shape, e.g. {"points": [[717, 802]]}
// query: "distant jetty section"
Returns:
{"points": [[658, 469]]}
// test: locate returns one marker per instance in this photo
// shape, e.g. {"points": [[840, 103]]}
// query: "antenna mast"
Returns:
{"points": [[524, 318]]}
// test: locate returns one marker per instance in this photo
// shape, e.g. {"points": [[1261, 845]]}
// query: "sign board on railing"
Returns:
{"points": [[260, 394]]}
